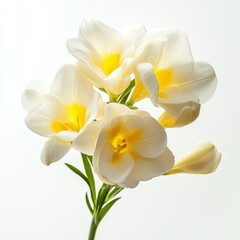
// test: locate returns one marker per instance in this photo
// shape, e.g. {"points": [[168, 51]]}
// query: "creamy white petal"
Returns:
{"points": [[176, 52], [117, 81], [129, 183], [54, 151], [114, 170], [71, 86], [86, 140], [103, 37], [153, 139], [101, 141], [113, 110], [145, 72], [130, 122], [135, 37], [64, 136], [33, 95], [202, 83], [147, 168], [178, 115], [173, 95], [39, 121], [201, 159]]}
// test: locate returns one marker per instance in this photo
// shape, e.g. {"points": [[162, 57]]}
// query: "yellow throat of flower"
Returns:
{"points": [[164, 78], [122, 141], [110, 63], [75, 119]]}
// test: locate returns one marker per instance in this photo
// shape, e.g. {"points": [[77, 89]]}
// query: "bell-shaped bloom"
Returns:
{"points": [[173, 80], [131, 147], [64, 113], [201, 159], [106, 55]]}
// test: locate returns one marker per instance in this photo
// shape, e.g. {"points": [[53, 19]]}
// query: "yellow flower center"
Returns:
{"points": [[110, 63], [75, 119], [164, 78], [119, 144], [122, 141]]}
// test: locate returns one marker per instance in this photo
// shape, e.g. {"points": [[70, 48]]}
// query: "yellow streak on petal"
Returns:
{"points": [[139, 92], [57, 126], [111, 62], [75, 119], [164, 78]]}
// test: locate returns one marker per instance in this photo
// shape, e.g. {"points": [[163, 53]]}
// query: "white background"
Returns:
{"points": [[47, 203]]}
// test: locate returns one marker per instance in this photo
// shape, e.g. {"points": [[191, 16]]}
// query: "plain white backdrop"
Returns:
{"points": [[46, 203]]}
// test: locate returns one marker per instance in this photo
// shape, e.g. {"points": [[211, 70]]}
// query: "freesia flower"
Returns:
{"points": [[106, 55], [131, 147], [202, 159], [64, 113], [172, 80]]}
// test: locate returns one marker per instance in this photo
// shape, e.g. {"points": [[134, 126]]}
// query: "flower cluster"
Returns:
{"points": [[127, 144]]}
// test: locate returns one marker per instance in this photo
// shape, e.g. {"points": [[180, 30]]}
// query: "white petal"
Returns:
{"points": [[115, 171], [135, 37], [70, 86], [176, 52], [113, 110], [39, 121], [201, 159], [104, 38], [86, 140], [129, 182], [153, 139], [203, 82], [147, 168], [117, 81], [33, 95], [54, 151], [174, 95], [178, 115], [65, 136], [145, 73]]}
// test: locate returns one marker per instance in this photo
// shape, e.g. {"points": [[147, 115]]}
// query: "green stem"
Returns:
{"points": [[93, 229]]}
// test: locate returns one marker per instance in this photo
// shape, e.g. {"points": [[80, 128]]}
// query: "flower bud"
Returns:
{"points": [[202, 159]]}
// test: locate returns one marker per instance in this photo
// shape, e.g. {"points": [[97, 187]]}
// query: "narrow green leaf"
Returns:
{"points": [[113, 193], [88, 170], [102, 89], [123, 97], [78, 172], [105, 210], [102, 194], [88, 203]]}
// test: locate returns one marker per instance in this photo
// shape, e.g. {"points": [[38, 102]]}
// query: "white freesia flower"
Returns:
{"points": [[201, 159], [64, 113], [173, 80], [131, 147], [106, 55]]}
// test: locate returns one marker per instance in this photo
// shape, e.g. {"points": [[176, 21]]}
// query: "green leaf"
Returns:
{"points": [[102, 89], [88, 170], [113, 193], [78, 172], [102, 194], [88, 203], [105, 210], [123, 97]]}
